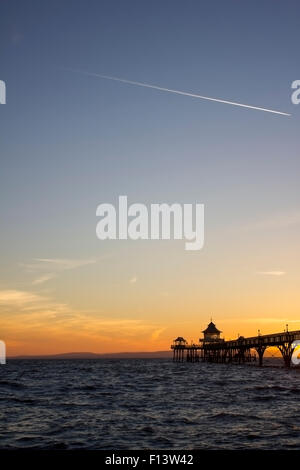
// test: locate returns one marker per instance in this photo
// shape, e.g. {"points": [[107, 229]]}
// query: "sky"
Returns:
{"points": [[70, 141]]}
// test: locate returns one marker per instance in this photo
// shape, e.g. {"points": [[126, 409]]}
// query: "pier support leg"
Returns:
{"points": [[260, 351], [241, 355], [182, 355], [287, 351]]}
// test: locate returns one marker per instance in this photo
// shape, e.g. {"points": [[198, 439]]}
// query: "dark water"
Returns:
{"points": [[147, 404]]}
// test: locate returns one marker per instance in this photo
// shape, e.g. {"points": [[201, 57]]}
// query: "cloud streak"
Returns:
{"points": [[272, 273], [50, 268], [63, 264], [44, 278], [177, 92], [279, 220], [13, 297], [23, 311], [156, 333]]}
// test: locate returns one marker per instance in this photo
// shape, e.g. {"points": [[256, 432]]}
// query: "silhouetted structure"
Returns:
{"points": [[179, 345], [211, 334], [212, 348]]}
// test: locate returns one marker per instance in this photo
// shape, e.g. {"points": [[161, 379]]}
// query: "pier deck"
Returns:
{"points": [[239, 350]]}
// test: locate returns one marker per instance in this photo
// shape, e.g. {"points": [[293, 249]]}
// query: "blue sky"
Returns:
{"points": [[71, 141]]}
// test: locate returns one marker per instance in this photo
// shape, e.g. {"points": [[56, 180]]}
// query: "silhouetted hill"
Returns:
{"points": [[90, 355]]}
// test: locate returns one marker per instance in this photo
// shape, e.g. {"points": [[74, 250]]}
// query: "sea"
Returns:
{"points": [[118, 404]]}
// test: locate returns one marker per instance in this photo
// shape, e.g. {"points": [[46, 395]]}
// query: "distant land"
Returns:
{"points": [[90, 355], [118, 355]]}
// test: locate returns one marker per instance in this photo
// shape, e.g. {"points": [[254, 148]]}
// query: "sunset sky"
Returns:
{"points": [[71, 141]]}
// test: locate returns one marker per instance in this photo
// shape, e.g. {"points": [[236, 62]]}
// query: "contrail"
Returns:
{"points": [[178, 92]]}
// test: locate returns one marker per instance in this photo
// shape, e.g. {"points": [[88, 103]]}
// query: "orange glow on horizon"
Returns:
{"points": [[29, 340]]}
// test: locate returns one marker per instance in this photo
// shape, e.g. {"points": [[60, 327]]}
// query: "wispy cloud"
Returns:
{"points": [[17, 301], [258, 320], [284, 321], [16, 298], [274, 221], [46, 269], [133, 280], [63, 264], [156, 333], [27, 312], [272, 273], [44, 278]]}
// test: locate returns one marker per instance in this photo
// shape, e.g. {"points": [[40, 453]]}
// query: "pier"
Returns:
{"points": [[212, 348]]}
